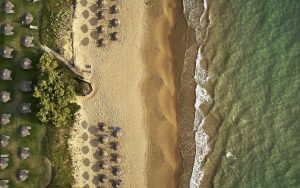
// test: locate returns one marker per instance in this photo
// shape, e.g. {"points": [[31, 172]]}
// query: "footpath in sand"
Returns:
{"points": [[116, 74]]}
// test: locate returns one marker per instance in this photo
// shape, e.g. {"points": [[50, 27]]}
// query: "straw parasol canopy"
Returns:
{"points": [[4, 96], [4, 140], [5, 74], [100, 15], [103, 178], [101, 3], [6, 52], [24, 131], [103, 165], [115, 146], [4, 183], [103, 152], [22, 175], [25, 86], [23, 153], [4, 118], [102, 126], [101, 29], [114, 9], [114, 22], [27, 18], [7, 29], [27, 41], [4, 158], [103, 139], [25, 108], [116, 171], [116, 183], [101, 42], [26, 63], [7, 7], [116, 158]]}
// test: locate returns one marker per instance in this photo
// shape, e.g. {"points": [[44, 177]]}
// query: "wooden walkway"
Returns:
{"points": [[81, 74]]}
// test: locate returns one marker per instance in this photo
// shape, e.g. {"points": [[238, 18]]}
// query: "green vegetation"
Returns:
{"points": [[55, 90], [37, 164]]}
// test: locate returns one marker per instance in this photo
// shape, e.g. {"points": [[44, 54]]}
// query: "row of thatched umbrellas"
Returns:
{"points": [[6, 52], [112, 23], [108, 139]]}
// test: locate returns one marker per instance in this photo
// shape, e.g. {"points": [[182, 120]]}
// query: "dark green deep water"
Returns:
{"points": [[252, 55]]}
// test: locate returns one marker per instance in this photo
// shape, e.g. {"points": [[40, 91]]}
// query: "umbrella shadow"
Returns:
{"points": [[83, 3], [84, 124], [93, 8], [85, 41], [95, 180], [95, 167], [94, 35], [93, 21], [86, 175], [84, 28], [85, 14], [86, 186], [93, 130], [84, 136], [86, 162], [85, 149], [94, 142]]}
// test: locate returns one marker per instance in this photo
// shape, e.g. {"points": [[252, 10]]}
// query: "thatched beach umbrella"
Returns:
{"points": [[27, 41], [114, 9], [101, 3], [102, 165], [22, 175], [5, 74], [100, 15], [101, 42], [26, 63], [7, 29], [25, 108], [6, 52], [114, 145], [4, 96], [7, 7], [27, 18], [116, 183], [114, 22], [4, 158], [4, 183], [114, 36], [116, 158], [4, 140], [116, 171], [102, 126], [4, 118], [103, 152], [24, 131], [23, 153], [103, 178], [100, 29], [25, 86], [103, 139]]}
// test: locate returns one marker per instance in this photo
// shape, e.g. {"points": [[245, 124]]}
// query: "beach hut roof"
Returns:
{"points": [[7, 6], [22, 175], [6, 52], [4, 118], [4, 161], [23, 153], [5, 74], [6, 29], [4, 96], [27, 18], [4, 140], [4, 183], [26, 41], [25, 108], [24, 131], [25, 86], [26, 63]]}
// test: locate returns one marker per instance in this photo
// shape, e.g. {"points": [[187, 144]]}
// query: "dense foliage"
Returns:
{"points": [[55, 92]]}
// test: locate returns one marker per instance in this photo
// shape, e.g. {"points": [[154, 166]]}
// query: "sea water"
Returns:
{"points": [[247, 118]]}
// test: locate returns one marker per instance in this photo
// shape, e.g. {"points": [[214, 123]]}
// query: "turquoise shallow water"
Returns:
{"points": [[252, 55]]}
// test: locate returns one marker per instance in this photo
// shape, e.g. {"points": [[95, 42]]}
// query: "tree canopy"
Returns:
{"points": [[55, 91]]}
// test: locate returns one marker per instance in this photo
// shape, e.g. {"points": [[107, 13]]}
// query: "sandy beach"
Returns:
{"points": [[134, 88]]}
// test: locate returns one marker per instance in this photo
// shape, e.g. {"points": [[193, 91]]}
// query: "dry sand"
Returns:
{"points": [[134, 88]]}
